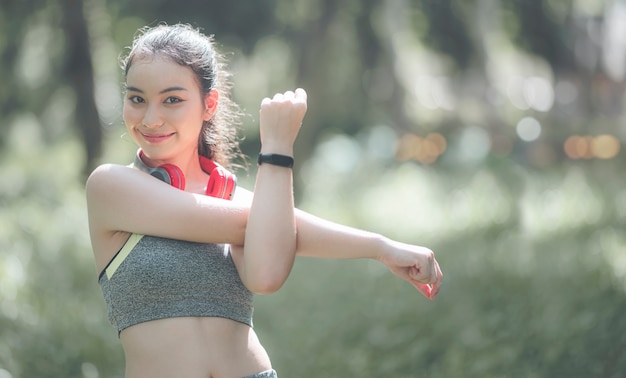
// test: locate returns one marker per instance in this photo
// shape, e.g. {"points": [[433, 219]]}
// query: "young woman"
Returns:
{"points": [[179, 261]]}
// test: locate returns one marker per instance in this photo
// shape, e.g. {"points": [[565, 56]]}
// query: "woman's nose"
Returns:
{"points": [[152, 118]]}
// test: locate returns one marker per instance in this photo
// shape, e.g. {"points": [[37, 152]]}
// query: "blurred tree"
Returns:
{"points": [[447, 30], [11, 15], [14, 24], [30, 79], [535, 28], [247, 23], [78, 69]]}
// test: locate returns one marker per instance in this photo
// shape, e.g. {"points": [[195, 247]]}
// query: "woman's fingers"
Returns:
{"points": [[424, 289], [280, 119], [301, 94], [424, 270], [289, 102], [429, 275], [436, 285]]}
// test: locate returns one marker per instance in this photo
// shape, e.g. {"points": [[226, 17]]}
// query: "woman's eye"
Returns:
{"points": [[173, 100], [136, 99]]}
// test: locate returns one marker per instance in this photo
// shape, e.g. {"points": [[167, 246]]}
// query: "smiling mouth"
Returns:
{"points": [[156, 138]]}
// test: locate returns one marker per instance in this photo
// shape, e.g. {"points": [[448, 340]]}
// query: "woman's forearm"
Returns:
{"points": [[321, 238], [270, 237], [415, 264], [317, 237]]}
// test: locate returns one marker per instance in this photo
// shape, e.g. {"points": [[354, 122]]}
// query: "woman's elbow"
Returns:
{"points": [[267, 283], [268, 279], [265, 286]]}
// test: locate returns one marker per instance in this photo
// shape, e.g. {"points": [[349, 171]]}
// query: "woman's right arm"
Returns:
{"points": [[121, 198]]}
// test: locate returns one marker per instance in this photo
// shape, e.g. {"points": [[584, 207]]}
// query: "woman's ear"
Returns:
{"points": [[210, 104]]}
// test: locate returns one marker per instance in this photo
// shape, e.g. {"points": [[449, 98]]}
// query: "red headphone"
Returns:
{"points": [[222, 183]]}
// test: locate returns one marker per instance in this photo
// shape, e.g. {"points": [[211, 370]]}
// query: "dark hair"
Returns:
{"points": [[189, 47]]}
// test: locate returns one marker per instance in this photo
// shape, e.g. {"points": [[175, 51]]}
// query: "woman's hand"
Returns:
{"points": [[415, 264], [280, 120]]}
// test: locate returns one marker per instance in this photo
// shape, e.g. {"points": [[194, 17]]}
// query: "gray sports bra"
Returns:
{"points": [[153, 278]]}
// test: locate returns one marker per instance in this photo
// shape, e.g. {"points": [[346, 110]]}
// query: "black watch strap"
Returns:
{"points": [[276, 159]]}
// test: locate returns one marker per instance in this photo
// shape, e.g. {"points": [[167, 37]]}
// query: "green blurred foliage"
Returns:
{"points": [[532, 244]]}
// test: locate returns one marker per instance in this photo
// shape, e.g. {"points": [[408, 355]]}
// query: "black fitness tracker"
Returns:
{"points": [[276, 159]]}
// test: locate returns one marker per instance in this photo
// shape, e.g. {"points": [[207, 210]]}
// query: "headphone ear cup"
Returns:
{"points": [[161, 174], [216, 187], [174, 175], [221, 183], [231, 185], [168, 173]]}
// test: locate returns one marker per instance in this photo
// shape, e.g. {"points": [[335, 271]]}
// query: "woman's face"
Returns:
{"points": [[164, 108]]}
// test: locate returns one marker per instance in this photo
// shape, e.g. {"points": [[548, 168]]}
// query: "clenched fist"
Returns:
{"points": [[280, 121]]}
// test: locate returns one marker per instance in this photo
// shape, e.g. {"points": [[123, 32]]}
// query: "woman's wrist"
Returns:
{"points": [[383, 246], [276, 147]]}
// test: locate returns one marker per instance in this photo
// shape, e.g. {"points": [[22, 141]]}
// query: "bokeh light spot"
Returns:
{"points": [[425, 150], [528, 129], [605, 146], [538, 93]]}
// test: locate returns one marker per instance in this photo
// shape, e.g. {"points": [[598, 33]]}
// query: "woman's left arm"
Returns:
{"points": [[321, 238], [317, 237], [270, 237]]}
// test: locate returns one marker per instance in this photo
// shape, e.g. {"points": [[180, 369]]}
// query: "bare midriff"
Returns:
{"points": [[192, 347]]}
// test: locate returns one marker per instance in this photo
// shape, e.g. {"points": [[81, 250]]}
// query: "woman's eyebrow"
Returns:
{"points": [[170, 89]]}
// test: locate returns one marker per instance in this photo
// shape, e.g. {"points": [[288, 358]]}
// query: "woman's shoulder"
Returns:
{"points": [[109, 168], [104, 173], [107, 177]]}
